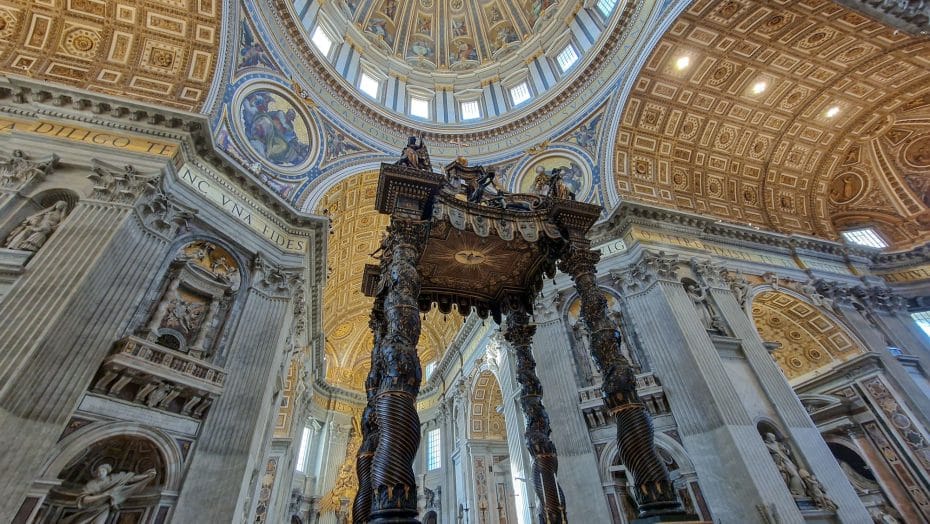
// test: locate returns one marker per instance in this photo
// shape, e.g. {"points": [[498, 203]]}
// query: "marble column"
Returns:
{"points": [[61, 317], [736, 473], [781, 398], [230, 440], [578, 466], [519, 334], [513, 419]]}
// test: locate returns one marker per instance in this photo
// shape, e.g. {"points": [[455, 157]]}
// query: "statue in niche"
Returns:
{"points": [[814, 490], [582, 350], [415, 155], [781, 455], [698, 295], [33, 232], [101, 497]]}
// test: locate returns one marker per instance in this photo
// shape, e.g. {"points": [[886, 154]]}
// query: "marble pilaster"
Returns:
{"points": [[513, 419], [228, 445], [781, 397], [80, 288], [737, 476], [577, 459]]}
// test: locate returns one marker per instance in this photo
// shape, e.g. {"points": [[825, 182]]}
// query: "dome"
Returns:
{"points": [[454, 62]]}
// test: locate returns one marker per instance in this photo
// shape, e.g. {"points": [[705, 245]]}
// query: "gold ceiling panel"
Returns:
{"points": [[742, 129], [486, 422], [809, 340], [162, 52], [357, 232]]}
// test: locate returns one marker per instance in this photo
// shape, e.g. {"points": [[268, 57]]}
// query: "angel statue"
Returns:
{"points": [[101, 497], [415, 155], [32, 233]]}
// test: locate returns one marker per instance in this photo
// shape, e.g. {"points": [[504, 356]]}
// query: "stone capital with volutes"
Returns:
{"points": [[710, 273], [20, 170], [160, 214], [651, 268], [546, 308], [119, 185], [878, 298], [271, 280]]}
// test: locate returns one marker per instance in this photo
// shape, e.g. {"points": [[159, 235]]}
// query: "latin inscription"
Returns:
{"points": [[240, 210]]}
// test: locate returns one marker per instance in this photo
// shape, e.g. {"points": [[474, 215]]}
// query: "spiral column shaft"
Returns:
{"points": [[394, 426], [545, 460], [653, 492]]}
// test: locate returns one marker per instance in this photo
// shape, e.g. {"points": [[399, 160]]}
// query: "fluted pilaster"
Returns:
{"points": [[654, 492], [577, 457], [519, 335], [737, 476], [232, 434], [78, 293], [513, 418], [804, 434]]}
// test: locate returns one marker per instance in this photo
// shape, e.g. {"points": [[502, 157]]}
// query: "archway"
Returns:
{"points": [[138, 476], [493, 501]]}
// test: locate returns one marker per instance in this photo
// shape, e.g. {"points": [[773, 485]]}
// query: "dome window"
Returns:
{"points": [[470, 110], [369, 85], [606, 6], [419, 107], [520, 93], [567, 58], [322, 41], [864, 237]]}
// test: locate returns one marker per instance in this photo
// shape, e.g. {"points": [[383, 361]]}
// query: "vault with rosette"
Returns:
{"points": [[457, 241]]}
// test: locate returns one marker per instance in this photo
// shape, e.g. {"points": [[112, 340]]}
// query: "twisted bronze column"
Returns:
{"points": [[545, 461], [654, 493], [361, 507], [396, 379]]}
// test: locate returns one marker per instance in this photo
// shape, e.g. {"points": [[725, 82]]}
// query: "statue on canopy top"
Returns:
{"points": [[415, 155]]}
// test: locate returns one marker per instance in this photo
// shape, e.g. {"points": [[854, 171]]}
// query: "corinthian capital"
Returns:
{"points": [[19, 170], [546, 307], [119, 185], [160, 214], [710, 273], [270, 278], [578, 261], [651, 268]]}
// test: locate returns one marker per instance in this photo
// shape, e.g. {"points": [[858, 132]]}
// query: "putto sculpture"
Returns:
{"points": [[448, 230]]}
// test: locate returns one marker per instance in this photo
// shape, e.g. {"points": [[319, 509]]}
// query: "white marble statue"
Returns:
{"points": [[786, 466], [32, 233], [102, 496], [814, 490]]}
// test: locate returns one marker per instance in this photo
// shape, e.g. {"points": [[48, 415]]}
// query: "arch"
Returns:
{"points": [[485, 422], [811, 341], [611, 455], [71, 447]]}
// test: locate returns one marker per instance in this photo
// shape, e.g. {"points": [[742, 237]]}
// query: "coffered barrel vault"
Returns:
{"points": [[163, 52], [750, 111]]}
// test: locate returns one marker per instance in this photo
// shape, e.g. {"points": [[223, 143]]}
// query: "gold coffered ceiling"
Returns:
{"points": [[809, 340], [357, 230], [158, 51], [711, 138]]}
